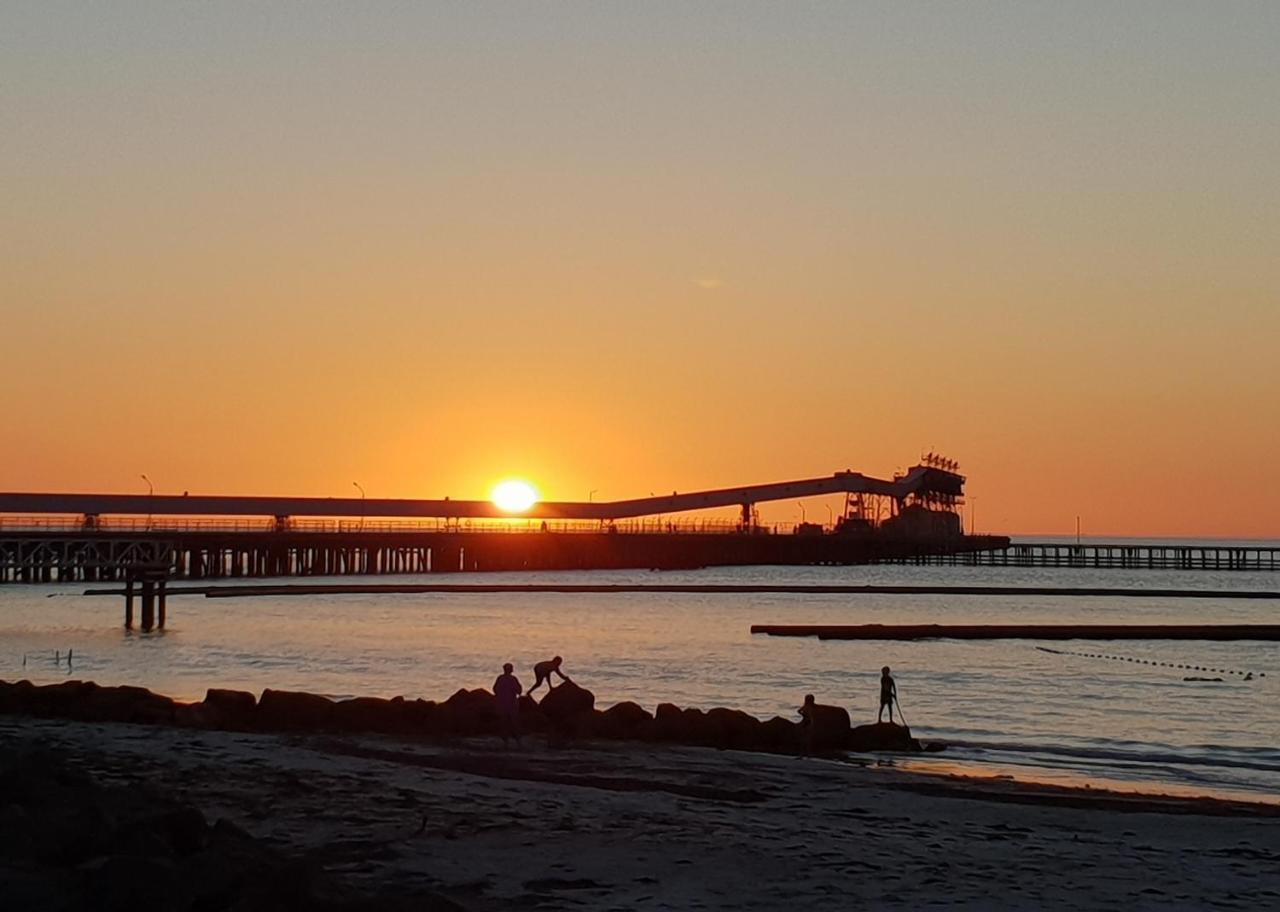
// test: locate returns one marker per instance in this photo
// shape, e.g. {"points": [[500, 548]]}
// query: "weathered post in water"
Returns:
{"points": [[128, 600], [148, 604]]}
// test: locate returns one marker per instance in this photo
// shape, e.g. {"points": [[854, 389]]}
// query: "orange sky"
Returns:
{"points": [[249, 252]]}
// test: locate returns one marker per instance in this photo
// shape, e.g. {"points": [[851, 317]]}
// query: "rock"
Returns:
{"points": [[733, 728], [68, 843], [881, 736], [230, 701], [779, 736], [178, 831], [194, 715], [471, 712], [292, 710], [118, 883], [127, 704], [670, 723], [566, 702], [368, 714], [622, 721], [15, 697], [420, 717], [235, 710], [531, 716], [67, 699], [830, 728]]}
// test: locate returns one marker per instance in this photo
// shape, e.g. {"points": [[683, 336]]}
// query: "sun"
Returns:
{"points": [[514, 496]]}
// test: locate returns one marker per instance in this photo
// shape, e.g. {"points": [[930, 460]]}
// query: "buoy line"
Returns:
{"points": [[1176, 665]]}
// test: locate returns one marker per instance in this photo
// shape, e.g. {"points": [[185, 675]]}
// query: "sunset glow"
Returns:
{"points": [[732, 266], [514, 496]]}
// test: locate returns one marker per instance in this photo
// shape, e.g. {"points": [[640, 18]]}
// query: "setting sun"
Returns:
{"points": [[515, 496]]}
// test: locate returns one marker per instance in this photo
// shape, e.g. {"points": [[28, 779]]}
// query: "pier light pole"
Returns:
{"points": [[831, 517], [591, 495], [151, 492], [361, 490], [801, 506]]}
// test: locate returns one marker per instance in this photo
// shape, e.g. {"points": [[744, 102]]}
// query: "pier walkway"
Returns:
{"points": [[1103, 555]]}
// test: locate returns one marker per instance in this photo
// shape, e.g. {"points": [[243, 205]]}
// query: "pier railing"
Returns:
{"points": [[1152, 556], [165, 524]]}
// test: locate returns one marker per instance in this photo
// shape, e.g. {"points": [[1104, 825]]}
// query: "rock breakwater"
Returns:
{"points": [[568, 711]]}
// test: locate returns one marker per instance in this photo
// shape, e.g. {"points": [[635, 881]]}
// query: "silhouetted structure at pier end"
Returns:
{"points": [[61, 537]]}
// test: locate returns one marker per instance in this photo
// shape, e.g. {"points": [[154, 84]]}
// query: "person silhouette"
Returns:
{"points": [[543, 671], [808, 722], [888, 694], [507, 690]]}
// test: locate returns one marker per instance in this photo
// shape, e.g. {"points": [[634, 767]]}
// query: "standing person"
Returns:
{"points": [[507, 690], [543, 671], [808, 722], [888, 694]]}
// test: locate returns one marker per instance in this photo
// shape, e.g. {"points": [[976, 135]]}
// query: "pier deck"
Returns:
{"points": [[1104, 555]]}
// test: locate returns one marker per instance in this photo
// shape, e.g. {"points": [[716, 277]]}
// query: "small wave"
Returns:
{"points": [[1268, 760]]}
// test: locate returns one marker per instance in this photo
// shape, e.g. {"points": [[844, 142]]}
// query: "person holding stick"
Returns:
{"points": [[888, 694]]}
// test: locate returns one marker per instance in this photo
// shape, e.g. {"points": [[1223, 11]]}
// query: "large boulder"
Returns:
{"points": [[235, 710], [287, 710], [623, 721], [66, 700], [694, 728], [421, 717], [532, 718], [194, 715], [15, 696], [368, 714], [128, 704], [780, 736], [470, 712], [830, 727], [733, 728], [670, 723], [881, 736], [563, 704]]}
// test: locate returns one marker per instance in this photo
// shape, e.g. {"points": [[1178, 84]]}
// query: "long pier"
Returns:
{"points": [[106, 557], [1107, 555]]}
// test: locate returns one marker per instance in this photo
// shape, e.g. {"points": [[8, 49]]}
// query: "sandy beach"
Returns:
{"points": [[627, 826]]}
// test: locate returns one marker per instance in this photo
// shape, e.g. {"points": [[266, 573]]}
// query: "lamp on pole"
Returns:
{"points": [[591, 495], [801, 506], [151, 490], [831, 517], [361, 490]]}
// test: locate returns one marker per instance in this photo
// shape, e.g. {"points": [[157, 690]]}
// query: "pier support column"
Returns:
{"points": [[128, 601], [148, 605], [162, 586]]}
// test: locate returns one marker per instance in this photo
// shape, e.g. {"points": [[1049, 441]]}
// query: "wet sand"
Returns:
{"points": [[631, 826]]}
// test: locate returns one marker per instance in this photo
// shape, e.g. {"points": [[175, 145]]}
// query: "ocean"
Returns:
{"points": [[1107, 714]]}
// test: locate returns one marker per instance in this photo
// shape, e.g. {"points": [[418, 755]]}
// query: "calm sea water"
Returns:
{"points": [[1006, 707]]}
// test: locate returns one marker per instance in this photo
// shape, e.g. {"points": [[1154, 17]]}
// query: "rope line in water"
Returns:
{"points": [[1099, 655]]}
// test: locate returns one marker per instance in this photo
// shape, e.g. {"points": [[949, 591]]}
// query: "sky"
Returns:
{"points": [[617, 248]]}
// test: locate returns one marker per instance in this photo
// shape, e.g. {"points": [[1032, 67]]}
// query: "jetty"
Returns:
{"points": [[1219, 632], [1109, 555], [56, 537]]}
